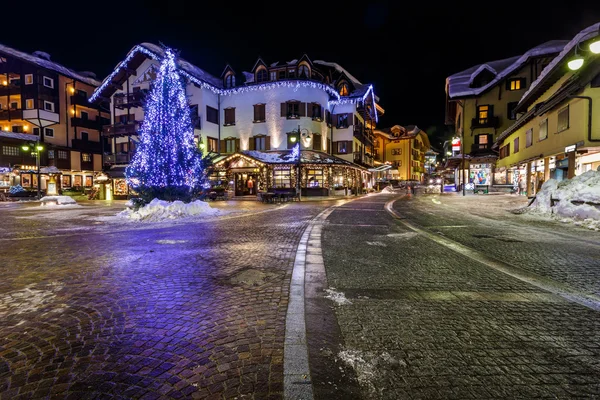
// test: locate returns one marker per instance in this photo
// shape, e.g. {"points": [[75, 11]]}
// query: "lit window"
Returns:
{"points": [[29, 104], [29, 79], [86, 157], [344, 90], [515, 84]]}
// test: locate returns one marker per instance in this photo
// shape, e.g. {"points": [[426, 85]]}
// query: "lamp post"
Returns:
{"points": [[35, 152]]}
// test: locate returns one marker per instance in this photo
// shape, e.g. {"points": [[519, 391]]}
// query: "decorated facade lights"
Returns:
{"points": [[295, 84], [238, 155]]}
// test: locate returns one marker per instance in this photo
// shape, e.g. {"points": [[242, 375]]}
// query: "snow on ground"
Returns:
{"points": [[57, 200], [370, 367], [160, 210], [577, 200], [338, 297]]}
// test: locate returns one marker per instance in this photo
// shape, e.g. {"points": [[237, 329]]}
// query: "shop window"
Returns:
{"points": [[66, 180], [282, 178], [314, 178]]}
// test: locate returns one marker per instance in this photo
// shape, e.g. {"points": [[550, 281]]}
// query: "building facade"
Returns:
{"points": [[271, 107], [481, 103], [556, 135], [403, 148], [44, 102]]}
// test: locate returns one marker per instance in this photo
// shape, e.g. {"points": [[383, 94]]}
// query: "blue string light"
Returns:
{"points": [[167, 164], [294, 84]]}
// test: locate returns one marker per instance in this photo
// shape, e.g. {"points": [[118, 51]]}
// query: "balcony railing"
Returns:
{"points": [[11, 114], [122, 129], [9, 88], [85, 123], [135, 99], [81, 100], [86, 145], [118, 158], [489, 122]]}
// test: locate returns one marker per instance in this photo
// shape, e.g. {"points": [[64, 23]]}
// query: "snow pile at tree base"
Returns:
{"points": [[60, 200], [577, 199], [160, 210]]}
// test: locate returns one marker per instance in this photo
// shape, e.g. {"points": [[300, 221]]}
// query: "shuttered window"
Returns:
{"points": [[259, 113], [229, 116], [563, 119]]}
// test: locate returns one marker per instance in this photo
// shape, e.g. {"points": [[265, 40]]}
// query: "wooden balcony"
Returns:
{"points": [[8, 115], [80, 100], [9, 88], [122, 129], [118, 158], [85, 123], [135, 99], [86, 145], [489, 122]]}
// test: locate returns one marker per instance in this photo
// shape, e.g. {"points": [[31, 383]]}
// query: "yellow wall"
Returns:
{"points": [[556, 141], [498, 97]]}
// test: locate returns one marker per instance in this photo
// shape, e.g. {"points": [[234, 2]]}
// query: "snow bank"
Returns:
{"points": [[578, 199], [60, 200], [160, 210]]}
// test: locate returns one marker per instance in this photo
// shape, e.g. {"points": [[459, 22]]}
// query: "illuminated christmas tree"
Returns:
{"points": [[167, 164]]}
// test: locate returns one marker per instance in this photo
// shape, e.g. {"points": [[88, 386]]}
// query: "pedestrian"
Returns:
{"points": [[523, 186], [250, 186]]}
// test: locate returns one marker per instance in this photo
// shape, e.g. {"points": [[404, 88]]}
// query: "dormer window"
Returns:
{"points": [[343, 89], [262, 75], [303, 72], [230, 81]]}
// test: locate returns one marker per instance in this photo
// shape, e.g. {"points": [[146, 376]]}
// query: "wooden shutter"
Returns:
{"points": [[309, 110], [268, 143], [490, 111], [317, 141], [283, 109], [237, 145], [262, 112], [223, 146], [333, 119], [251, 144], [350, 119], [322, 112], [302, 109], [329, 146]]}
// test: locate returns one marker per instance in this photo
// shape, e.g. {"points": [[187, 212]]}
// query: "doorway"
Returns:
{"points": [[245, 184]]}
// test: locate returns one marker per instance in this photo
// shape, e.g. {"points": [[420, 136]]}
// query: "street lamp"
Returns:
{"points": [[296, 151], [35, 152]]}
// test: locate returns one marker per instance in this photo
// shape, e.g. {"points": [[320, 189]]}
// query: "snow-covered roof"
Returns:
{"points": [[588, 33], [186, 66], [20, 136], [338, 68], [51, 65], [248, 76], [286, 157], [459, 83]]}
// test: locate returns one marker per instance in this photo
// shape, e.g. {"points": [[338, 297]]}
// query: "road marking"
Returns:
{"points": [[588, 300]]}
